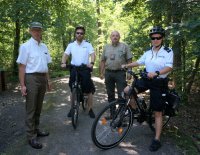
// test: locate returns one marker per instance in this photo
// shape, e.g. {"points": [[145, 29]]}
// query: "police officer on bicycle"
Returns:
{"points": [[158, 61], [80, 51]]}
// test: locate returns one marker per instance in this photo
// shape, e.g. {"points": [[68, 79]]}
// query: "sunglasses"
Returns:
{"points": [[156, 38], [81, 33]]}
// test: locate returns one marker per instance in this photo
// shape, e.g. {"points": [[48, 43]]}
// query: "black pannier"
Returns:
{"points": [[172, 103]]}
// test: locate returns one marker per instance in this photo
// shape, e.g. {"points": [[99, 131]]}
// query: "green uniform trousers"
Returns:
{"points": [[36, 87], [115, 79]]}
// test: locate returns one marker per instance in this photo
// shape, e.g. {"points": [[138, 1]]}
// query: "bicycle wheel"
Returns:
{"points": [[151, 121], [74, 117], [111, 125], [75, 109]]}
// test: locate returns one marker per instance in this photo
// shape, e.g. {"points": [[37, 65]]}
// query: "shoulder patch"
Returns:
{"points": [[167, 49]]}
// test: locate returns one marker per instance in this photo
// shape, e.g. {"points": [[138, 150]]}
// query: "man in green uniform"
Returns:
{"points": [[113, 56]]}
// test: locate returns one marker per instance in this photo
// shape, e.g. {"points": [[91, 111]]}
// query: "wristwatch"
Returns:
{"points": [[157, 72]]}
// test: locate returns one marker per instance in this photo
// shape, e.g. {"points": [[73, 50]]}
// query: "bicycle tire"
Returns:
{"points": [[109, 132], [75, 109], [74, 118], [151, 121]]}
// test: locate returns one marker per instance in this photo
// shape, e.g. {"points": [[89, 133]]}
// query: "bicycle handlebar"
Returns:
{"points": [[142, 74], [81, 67]]}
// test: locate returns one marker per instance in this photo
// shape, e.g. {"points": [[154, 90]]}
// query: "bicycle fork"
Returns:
{"points": [[118, 119]]}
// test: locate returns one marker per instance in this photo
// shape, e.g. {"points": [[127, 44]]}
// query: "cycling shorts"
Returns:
{"points": [[87, 84], [157, 87]]}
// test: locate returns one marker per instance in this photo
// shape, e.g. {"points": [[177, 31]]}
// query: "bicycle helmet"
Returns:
{"points": [[157, 30]]}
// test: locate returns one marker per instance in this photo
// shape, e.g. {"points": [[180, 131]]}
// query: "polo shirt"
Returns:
{"points": [[34, 56], [156, 61], [80, 53]]}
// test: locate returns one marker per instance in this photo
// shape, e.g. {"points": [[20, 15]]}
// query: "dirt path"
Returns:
{"points": [[63, 139]]}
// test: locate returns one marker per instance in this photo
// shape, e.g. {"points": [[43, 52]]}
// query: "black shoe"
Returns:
{"points": [[91, 113], [155, 145], [42, 133], [70, 113], [35, 144]]}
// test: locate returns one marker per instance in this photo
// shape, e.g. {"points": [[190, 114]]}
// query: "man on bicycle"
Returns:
{"points": [[158, 61], [80, 51]]}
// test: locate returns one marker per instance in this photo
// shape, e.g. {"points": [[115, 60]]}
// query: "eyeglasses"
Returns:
{"points": [[81, 33], [156, 38]]}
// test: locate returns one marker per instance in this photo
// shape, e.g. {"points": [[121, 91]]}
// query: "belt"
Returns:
{"points": [[117, 70], [37, 73]]}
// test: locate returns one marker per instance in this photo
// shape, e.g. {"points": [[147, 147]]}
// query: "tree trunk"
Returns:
{"points": [[16, 46], [176, 19], [183, 45], [99, 47], [192, 77]]}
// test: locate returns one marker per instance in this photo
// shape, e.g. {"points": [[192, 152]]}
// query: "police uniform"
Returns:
{"points": [[36, 58], [80, 55], [114, 57], [156, 61]]}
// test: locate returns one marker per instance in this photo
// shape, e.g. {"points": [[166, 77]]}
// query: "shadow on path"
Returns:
{"points": [[63, 139]]}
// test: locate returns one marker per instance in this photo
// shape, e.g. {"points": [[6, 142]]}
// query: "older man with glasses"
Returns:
{"points": [[33, 62]]}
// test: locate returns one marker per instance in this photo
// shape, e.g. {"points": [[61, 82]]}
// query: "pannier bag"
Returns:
{"points": [[172, 103]]}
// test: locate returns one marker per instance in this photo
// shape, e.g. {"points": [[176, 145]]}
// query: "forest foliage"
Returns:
{"points": [[132, 18]]}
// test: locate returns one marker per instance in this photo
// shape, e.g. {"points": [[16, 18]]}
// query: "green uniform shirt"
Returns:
{"points": [[115, 56]]}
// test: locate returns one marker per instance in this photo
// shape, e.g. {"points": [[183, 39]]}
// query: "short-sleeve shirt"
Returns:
{"points": [[156, 61], [34, 56], [79, 53], [115, 56]]}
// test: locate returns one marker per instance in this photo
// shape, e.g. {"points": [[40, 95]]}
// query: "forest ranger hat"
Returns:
{"points": [[35, 25]]}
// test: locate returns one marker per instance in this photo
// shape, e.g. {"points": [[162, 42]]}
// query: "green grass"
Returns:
{"points": [[184, 142]]}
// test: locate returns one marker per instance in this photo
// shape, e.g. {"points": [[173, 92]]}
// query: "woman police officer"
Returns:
{"points": [[158, 61]]}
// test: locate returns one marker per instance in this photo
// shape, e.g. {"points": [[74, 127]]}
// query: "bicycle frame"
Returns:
{"points": [[76, 85]]}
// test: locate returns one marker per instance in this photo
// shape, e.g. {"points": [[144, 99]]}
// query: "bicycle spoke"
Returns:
{"points": [[111, 128]]}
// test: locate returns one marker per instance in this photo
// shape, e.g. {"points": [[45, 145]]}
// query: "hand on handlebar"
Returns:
{"points": [[90, 66], [152, 75], [123, 66]]}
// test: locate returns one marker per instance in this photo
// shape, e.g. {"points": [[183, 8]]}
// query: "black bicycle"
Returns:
{"points": [[77, 95], [114, 121]]}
